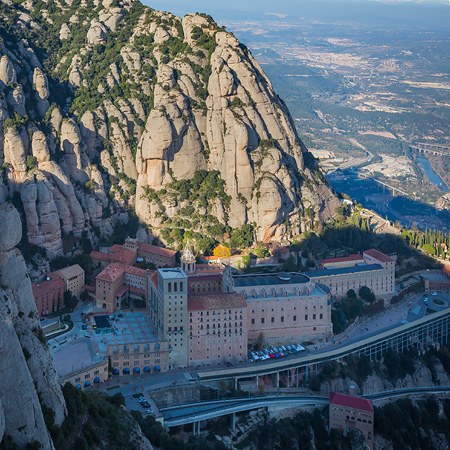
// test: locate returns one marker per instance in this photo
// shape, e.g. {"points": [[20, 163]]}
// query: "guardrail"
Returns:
{"points": [[270, 367], [195, 412]]}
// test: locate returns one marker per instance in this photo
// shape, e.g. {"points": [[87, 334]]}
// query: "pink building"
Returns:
{"points": [[118, 283], [217, 329], [348, 412], [284, 307], [49, 294]]}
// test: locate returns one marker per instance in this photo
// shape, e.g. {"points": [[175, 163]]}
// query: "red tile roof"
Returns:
{"points": [[136, 290], [350, 401], [205, 277], [111, 272], [47, 286], [216, 301], [122, 291], [116, 253], [211, 258], [135, 271], [378, 255], [349, 258], [100, 256], [155, 250], [209, 268], [154, 278]]}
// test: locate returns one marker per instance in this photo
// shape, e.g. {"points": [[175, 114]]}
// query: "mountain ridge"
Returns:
{"points": [[112, 106]]}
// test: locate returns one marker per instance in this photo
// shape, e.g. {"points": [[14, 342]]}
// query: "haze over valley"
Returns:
{"points": [[365, 85]]}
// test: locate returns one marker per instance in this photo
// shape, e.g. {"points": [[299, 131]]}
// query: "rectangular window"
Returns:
{"points": [[306, 316], [282, 318], [262, 319]]}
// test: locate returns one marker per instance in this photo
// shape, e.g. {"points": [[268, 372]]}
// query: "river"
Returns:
{"points": [[431, 174]]}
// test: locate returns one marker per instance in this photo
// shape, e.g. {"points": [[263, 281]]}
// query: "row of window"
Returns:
{"points": [[136, 363], [87, 376], [176, 285], [295, 308], [213, 319], [218, 312], [294, 318]]}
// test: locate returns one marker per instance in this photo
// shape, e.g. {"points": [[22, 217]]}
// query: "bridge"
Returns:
{"points": [[433, 149], [385, 185], [195, 413], [430, 330]]}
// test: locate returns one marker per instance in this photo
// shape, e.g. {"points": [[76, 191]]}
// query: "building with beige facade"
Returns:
{"points": [[79, 362], [284, 307], [435, 281], [167, 303], [117, 284], [74, 278], [372, 269], [344, 261], [127, 340], [348, 412], [87, 376]]}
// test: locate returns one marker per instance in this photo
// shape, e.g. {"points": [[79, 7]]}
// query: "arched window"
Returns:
{"points": [[175, 286], [169, 287]]}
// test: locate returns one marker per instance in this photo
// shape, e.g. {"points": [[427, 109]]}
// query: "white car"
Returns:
{"points": [[434, 293]]}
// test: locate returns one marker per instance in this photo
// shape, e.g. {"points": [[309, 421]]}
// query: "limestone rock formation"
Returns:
{"points": [[124, 107], [29, 379]]}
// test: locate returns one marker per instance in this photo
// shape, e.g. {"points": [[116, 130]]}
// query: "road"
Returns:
{"points": [[184, 414], [195, 412], [393, 317]]}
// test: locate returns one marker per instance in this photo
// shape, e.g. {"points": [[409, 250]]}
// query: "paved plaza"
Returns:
{"points": [[126, 328]]}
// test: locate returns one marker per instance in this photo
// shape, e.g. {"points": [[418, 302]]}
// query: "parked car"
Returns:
{"points": [[434, 293]]}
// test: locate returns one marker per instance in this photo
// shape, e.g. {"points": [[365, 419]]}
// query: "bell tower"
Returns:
{"points": [[188, 260]]}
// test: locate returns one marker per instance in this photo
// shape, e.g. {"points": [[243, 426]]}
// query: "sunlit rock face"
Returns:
{"points": [[130, 101]]}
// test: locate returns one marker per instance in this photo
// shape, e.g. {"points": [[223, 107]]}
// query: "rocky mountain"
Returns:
{"points": [[110, 105], [29, 387]]}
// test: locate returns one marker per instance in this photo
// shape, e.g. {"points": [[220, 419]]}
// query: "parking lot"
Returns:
{"points": [[275, 352]]}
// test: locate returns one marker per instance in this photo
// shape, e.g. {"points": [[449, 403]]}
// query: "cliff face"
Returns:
{"points": [[29, 380], [108, 105]]}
